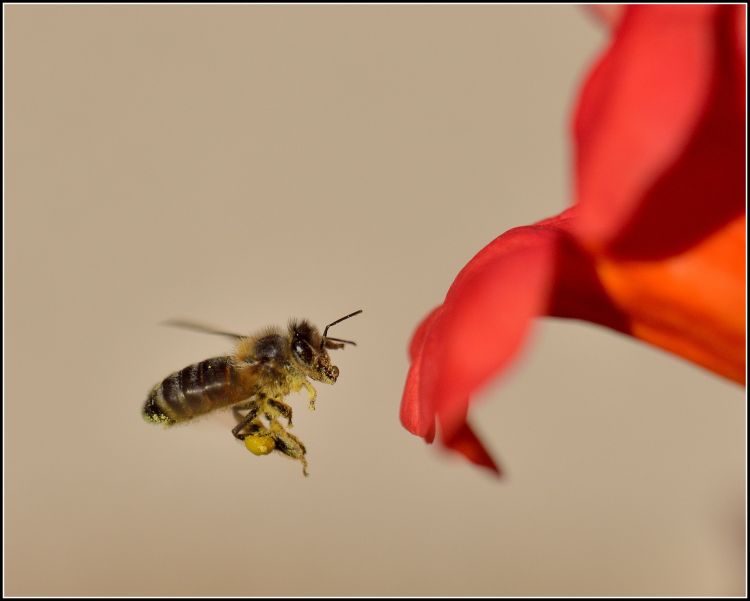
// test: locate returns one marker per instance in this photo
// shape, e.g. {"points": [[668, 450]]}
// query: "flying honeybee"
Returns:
{"points": [[253, 380]]}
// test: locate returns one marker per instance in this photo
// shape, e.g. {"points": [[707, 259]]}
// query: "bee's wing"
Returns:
{"points": [[197, 327]]}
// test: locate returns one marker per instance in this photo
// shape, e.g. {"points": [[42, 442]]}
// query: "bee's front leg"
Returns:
{"points": [[312, 393]]}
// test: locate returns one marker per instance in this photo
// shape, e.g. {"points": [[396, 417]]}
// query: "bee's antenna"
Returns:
{"points": [[331, 338], [323, 340]]}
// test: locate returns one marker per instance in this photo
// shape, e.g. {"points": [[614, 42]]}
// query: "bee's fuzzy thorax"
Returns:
{"points": [[246, 349]]}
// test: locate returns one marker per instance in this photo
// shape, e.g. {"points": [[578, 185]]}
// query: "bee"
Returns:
{"points": [[253, 380]]}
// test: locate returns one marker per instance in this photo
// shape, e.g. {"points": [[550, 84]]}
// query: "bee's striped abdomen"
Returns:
{"points": [[195, 390]]}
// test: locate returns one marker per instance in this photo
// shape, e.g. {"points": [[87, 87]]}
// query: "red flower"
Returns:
{"points": [[655, 245]]}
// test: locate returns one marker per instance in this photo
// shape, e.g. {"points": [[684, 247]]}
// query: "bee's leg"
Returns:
{"points": [[243, 420], [312, 393], [289, 444], [253, 401], [282, 409]]}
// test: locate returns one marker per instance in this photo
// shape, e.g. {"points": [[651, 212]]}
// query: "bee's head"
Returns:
{"points": [[309, 349], [308, 353]]}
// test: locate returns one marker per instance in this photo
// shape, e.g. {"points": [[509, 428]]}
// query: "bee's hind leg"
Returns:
{"points": [[289, 444], [237, 409], [243, 421]]}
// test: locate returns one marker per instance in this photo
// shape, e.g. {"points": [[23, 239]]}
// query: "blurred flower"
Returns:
{"points": [[653, 248]]}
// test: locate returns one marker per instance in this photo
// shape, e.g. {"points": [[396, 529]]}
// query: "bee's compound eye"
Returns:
{"points": [[303, 351], [260, 445]]}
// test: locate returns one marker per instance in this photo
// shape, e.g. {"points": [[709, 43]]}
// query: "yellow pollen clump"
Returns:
{"points": [[260, 445]]}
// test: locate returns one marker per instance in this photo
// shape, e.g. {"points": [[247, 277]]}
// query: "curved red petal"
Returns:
{"points": [[418, 413], [482, 325], [480, 328], [417, 340], [660, 132]]}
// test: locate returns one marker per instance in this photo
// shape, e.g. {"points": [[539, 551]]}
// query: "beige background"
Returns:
{"points": [[243, 164]]}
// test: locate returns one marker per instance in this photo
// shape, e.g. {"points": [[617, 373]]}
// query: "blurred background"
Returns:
{"points": [[241, 165]]}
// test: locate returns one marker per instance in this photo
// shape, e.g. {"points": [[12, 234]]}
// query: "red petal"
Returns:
{"points": [[417, 341], [660, 132], [417, 413], [485, 319], [476, 333]]}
